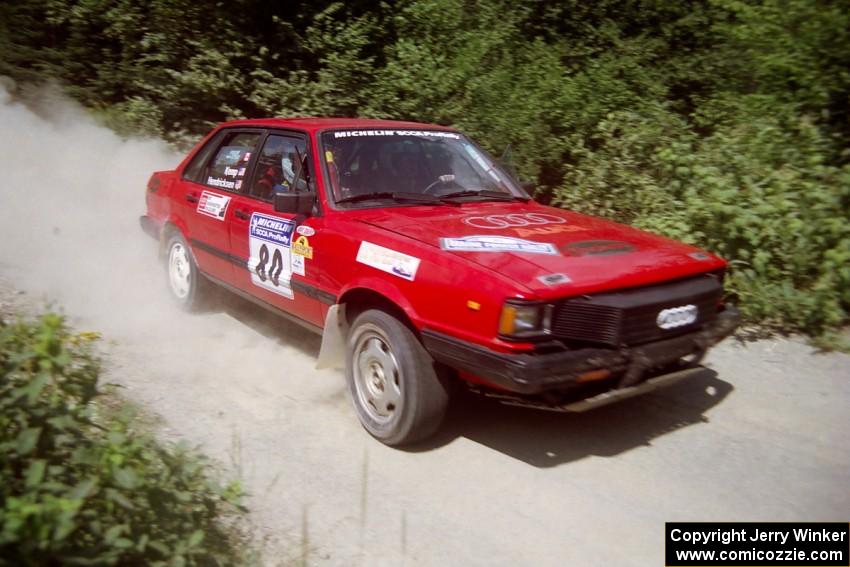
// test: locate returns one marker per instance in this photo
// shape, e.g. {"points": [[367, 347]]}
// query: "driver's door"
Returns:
{"points": [[275, 248]]}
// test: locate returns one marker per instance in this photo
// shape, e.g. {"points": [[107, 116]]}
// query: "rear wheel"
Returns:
{"points": [[397, 392], [188, 287]]}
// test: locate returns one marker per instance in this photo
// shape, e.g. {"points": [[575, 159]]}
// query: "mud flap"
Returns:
{"points": [[332, 351]]}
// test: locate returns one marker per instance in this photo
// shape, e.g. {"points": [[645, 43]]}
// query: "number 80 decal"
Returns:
{"points": [[274, 270], [270, 249]]}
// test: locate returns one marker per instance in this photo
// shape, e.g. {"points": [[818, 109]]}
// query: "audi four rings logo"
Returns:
{"points": [[677, 316], [514, 220]]}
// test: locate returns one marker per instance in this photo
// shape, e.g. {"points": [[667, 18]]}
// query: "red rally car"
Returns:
{"points": [[425, 266]]}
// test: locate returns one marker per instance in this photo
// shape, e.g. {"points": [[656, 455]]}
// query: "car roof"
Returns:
{"points": [[313, 124]]}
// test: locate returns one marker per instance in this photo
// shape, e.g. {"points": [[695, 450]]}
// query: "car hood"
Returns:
{"points": [[550, 251]]}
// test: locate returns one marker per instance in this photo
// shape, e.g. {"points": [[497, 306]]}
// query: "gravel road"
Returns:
{"points": [[762, 434]]}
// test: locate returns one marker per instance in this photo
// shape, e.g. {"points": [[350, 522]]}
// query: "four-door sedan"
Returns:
{"points": [[425, 266]]}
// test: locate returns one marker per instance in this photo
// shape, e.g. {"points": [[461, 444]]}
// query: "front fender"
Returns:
{"points": [[386, 289]]}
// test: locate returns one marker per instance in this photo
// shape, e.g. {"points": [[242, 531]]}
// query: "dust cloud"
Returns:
{"points": [[71, 193], [70, 197]]}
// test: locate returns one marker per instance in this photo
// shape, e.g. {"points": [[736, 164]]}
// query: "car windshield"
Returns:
{"points": [[369, 165]]}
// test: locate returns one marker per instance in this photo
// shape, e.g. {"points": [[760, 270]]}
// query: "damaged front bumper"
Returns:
{"points": [[533, 373]]}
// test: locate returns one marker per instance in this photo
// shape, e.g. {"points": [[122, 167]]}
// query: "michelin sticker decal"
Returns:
{"points": [[421, 133], [388, 261], [496, 244], [270, 261], [213, 205]]}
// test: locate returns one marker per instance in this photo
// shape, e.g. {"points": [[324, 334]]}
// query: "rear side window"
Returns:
{"points": [[194, 170], [227, 168]]}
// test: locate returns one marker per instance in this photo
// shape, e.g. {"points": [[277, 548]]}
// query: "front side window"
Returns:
{"points": [[227, 168], [278, 165], [426, 163]]}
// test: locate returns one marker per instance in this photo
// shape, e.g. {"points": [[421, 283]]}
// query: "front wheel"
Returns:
{"points": [[188, 287], [397, 392]]}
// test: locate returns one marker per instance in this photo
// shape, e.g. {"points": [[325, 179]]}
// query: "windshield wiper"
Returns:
{"points": [[394, 195], [484, 193]]}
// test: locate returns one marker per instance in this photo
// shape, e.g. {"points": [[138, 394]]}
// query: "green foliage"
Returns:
{"points": [[722, 122], [79, 488], [757, 191]]}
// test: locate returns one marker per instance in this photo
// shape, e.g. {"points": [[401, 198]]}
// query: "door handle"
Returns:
{"points": [[191, 198], [241, 214]]}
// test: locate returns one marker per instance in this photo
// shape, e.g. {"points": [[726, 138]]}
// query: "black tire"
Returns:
{"points": [[377, 342], [187, 286]]}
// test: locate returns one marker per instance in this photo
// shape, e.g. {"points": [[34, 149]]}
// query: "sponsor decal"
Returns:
{"points": [[247, 156], [213, 205], [513, 220], [598, 248], [270, 257], [496, 244], [305, 230], [238, 184], [677, 316], [554, 279], [547, 230], [219, 182], [302, 247], [241, 172], [699, 256], [231, 171], [388, 260], [298, 264], [272, 229], [423, 133]]}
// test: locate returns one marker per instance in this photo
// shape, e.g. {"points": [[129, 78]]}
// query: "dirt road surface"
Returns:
{"points": [[762, 434]]}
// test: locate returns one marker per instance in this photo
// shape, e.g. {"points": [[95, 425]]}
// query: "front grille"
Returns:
{"points": [[629, 317]]}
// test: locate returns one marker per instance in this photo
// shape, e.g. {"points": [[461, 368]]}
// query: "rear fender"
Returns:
{"points": [[174, 224]]}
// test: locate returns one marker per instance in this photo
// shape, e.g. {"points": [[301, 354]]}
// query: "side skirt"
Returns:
{"points": [[268, 306]]}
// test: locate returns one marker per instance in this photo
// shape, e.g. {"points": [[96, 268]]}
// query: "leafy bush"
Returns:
{"points": [[81, 488], [757, 191], [723, 122]]}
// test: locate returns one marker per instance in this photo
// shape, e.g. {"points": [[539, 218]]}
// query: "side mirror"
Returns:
{"points": [[295, 203], [528, 186]]}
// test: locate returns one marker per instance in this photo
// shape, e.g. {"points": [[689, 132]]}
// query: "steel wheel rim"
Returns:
{"points": [[179, 270], [377, 374]]}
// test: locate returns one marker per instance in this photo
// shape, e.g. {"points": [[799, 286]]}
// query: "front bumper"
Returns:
{"points": [[538, 373]]}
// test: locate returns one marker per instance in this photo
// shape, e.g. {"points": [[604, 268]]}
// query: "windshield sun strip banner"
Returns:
{"points": [[421, 133]]}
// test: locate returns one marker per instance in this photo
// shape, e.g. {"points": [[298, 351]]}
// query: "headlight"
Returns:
{"points": [[525, 319]]}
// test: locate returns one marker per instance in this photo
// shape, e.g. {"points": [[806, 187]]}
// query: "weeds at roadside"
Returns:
{"points": [[82, 479]]}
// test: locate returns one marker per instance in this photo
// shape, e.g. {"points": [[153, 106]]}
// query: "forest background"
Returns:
{"points": [[722, 123]]}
